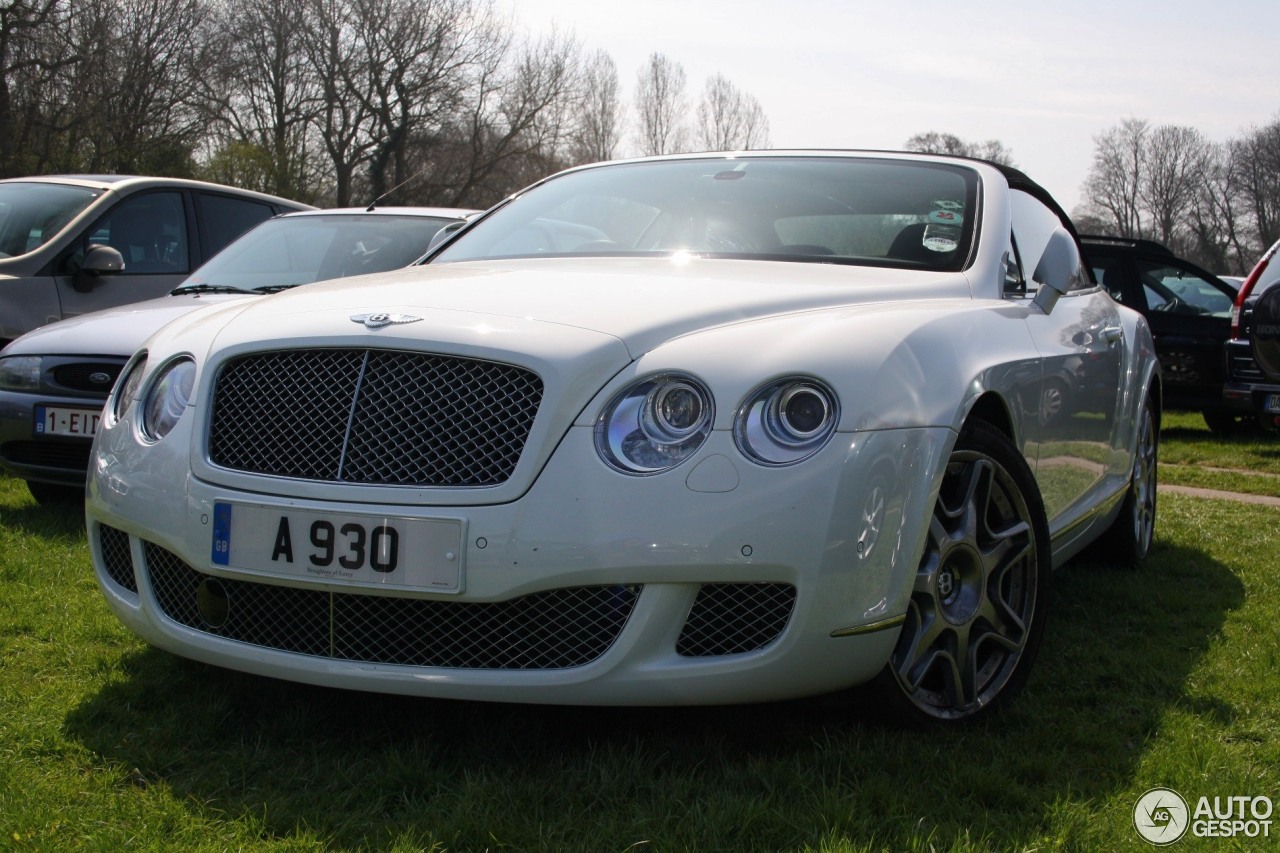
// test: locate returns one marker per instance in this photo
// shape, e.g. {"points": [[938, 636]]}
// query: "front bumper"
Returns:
{"points": [[27, 454], [719, 581], [1247, 386]]}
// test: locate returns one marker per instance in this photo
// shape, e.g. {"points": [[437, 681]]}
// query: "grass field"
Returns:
{"points": [[1169, 676]]}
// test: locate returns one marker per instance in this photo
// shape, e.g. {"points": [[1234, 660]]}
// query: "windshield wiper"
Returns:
{"points": [[207, 288], [273, 288]]}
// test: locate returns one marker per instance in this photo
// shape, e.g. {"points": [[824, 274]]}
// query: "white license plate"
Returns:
{"points": [[356, 549], [1272, 404], [60, 420]]}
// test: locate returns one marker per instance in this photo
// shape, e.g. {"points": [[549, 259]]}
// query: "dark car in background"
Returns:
{"points": [[1189, 311], [1253, 352], [71, 244], [54, 380]]}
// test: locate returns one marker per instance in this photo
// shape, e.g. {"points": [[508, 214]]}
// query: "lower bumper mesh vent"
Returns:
{"points": [[556, 629], [116, 557], [732, 618]]}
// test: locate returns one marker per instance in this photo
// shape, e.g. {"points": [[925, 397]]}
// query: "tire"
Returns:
{"points": [[978, 603], [1128, 540], [53, 494]]}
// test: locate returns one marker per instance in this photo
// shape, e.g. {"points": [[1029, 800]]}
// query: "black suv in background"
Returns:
{"points": [[1253, 352], [1189, 311]]}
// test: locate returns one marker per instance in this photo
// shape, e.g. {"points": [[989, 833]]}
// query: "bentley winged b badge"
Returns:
{"points": [[381, 318]]}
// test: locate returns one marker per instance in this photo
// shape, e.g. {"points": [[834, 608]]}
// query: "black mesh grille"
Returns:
{"points": [[116, 557], [731, 618], [373, 416], [556, 629], [70, 453], [94, 377]]}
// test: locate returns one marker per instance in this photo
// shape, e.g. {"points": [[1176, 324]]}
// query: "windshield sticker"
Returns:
{"points": [[946, 217], [941, 238], [948, 204]]}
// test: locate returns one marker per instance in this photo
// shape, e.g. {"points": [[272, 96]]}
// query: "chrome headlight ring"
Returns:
{"points": [[654, 424], [786, 421], [126, 387], [167, 396]]}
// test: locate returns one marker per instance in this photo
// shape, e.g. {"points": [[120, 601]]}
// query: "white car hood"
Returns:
{"points": [[641, 303]]}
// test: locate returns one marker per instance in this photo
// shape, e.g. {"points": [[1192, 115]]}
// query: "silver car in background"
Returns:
{"points": [[54, 380], [71, 244]]}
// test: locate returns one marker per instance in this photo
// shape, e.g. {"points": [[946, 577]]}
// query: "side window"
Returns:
{"points": [[1172, 287], [1110, 273], [149, 230], [226, 217], [1033, 225]]}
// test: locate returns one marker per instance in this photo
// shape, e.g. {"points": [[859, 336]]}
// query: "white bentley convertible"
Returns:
{"points": [[700, 429]]}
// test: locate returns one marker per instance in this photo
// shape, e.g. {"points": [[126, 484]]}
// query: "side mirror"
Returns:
{"points": [[444, 234], [99, 260], [1060, 269]]}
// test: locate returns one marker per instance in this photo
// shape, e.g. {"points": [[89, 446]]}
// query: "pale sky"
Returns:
{"points": [[1044, 79]]}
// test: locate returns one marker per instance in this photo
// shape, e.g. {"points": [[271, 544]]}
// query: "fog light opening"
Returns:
{"points": [[213, 603]]}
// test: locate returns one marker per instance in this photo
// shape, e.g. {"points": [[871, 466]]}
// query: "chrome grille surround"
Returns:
{"points": [[116, 557], [733, 618], [384, 417], [556, 629]]}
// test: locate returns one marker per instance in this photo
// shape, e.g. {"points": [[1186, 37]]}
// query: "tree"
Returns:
{"points": [[33, 51], [933, 142], [1113, 186], [516, 127], [660, 105], [598, 132], [729, 119], [266, 95], [1175, 162]]}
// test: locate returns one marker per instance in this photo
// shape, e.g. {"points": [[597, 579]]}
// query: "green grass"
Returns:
{"points": [[1169, 676]]}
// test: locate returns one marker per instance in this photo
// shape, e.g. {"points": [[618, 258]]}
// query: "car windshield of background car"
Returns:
{"points": [[875, 212], [32, 213], [293, 250]]}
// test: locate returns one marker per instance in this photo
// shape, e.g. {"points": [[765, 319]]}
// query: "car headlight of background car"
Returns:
{"points": [[655, 424], [786, 421], [167, 397], [20, 373]]}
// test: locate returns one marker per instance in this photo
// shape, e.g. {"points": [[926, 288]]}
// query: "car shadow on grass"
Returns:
{"points": [[362, 769]]}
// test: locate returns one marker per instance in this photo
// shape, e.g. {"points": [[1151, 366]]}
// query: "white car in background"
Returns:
{"points": [[54, 380], [699, 429]]}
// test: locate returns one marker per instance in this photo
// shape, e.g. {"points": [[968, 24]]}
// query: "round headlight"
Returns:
{"points": [[127, 386], [167, 398], [655, 424], [786, 421]]}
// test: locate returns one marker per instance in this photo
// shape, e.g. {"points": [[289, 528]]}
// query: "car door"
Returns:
{"points": [[1190, 316], [1080, 340], [151, 230]]}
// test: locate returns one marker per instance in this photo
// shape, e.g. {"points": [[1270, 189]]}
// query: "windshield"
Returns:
{"points": [[32, 213], [292, 250], [819, 209]]}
